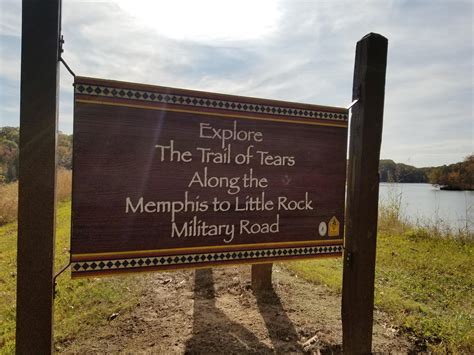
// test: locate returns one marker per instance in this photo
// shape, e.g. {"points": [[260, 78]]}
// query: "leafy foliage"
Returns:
{"points": [[9, 141], [390, 171], [459, 176], [64, 151], [9, 153]]}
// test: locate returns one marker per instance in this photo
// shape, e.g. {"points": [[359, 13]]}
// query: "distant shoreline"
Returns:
{"points": [[440, 187], [453, 188]]}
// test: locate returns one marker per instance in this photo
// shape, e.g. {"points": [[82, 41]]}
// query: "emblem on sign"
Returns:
{"points": [[323, 228], [333, 227]]}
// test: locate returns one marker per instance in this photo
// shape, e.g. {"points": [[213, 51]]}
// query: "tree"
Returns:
{"points": [[9, 153], [459, 176], [9, 139], [64, 152]]}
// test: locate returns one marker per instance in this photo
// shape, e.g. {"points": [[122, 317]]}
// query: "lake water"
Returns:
{"points": [[425, 204]]}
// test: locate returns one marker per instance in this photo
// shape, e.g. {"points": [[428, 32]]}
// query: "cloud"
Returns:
{"points": [[10, 19], [205, 20], [288, 50]]}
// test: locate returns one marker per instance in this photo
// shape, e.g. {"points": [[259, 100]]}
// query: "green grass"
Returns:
{"points": [[425, 284], [80, 306]]}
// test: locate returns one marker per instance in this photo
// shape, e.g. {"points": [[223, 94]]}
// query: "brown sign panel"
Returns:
{"points": [[167, 178]]}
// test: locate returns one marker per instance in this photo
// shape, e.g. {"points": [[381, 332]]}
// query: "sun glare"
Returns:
{"points": [[205, 20]]}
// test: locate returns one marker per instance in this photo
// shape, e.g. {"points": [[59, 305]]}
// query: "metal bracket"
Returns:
{"points": [[61, 43], [57, 275], [352, 104], [60, 57], [67, 67], [348, 259]]}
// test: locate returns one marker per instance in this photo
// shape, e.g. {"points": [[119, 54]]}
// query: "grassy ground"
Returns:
{"points": [[80, 304], [9, 195], [8, 202], [424, 283]]}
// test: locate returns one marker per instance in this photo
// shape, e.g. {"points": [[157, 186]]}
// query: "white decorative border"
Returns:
{"points": [[166, 98], [192, 260]]}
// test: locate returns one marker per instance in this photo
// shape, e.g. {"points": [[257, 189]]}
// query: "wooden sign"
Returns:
{"points": [[167, 178]]}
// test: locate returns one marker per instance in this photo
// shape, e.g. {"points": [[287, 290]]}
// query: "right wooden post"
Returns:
{"points": [[362, 194]]}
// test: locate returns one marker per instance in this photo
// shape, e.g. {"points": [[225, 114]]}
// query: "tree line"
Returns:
{"points": [[459, 176], [9, 153]]}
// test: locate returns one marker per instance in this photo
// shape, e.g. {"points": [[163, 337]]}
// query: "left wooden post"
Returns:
{"points": [[36, 198]]}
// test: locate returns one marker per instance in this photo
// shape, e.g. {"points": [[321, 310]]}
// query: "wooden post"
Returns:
{"points": [[262, 277], [362, 194], [36, 204]]}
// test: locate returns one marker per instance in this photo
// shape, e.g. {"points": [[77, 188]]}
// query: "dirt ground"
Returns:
{"points": [[215, 311]]}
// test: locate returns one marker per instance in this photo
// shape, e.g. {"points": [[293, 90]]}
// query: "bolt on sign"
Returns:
{"points": [[168, 178]]}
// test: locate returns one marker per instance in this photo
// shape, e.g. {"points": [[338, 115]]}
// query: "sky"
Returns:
{"points": [[289, 50]]}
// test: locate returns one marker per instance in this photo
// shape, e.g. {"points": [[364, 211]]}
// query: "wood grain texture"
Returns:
{"points": [[36, 205], [261, 277], [362, 194], [115, 157]]}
